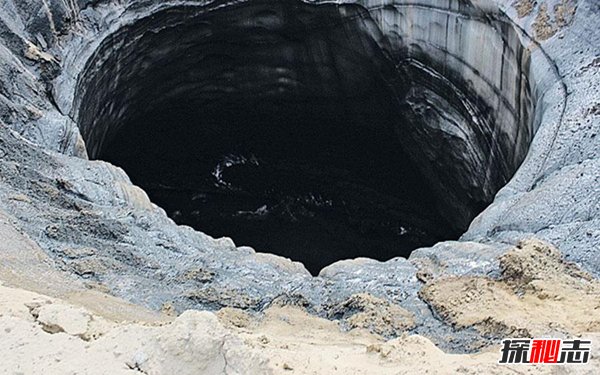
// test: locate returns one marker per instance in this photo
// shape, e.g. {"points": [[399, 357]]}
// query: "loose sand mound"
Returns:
{"points": [[538, 294]]}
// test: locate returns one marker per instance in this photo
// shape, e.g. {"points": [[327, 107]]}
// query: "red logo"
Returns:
{"points": [[544, 351]]}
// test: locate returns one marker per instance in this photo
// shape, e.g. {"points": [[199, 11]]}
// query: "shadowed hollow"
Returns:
{"points": [[293, 129]]}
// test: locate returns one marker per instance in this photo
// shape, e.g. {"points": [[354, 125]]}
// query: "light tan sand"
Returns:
{"points": [[45, 335], [539, 294]]}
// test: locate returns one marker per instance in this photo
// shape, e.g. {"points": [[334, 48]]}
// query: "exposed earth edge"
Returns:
{"points": [[87, 331]]}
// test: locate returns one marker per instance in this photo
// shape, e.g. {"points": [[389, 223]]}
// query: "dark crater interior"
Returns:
{"points": [[289, 128]]}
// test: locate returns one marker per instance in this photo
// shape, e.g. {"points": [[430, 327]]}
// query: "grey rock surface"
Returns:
{"points": [[97, 226]]}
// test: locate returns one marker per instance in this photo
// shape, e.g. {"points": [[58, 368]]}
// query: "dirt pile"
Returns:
{"points": [[538, 294]]}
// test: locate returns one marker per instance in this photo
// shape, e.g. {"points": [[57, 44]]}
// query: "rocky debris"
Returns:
{"points": [[20, 198], [33, 52], [534, 260], [550, 16], [76, 253], [231, 317], [524, 7], [594, 110], [223, 298], [374, 314], [538, 293], [564, 12], [543, 27], [92, 267], [198, 274], [168, 309]]}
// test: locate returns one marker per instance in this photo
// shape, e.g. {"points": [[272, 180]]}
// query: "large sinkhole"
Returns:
{"points": [[309, 131]]}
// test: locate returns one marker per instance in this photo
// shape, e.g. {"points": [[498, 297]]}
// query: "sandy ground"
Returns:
{"points": [[41, 334], [50, 324], [538, 294]]}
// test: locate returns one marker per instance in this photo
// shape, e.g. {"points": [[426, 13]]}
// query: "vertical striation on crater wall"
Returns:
{"points": [[470, 103], [253, 78]]}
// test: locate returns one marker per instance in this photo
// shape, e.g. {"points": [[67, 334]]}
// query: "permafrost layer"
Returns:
{"points": [[477, 86]]}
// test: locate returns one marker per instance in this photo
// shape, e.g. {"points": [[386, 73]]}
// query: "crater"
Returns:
{"points": [[315, 132]]}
